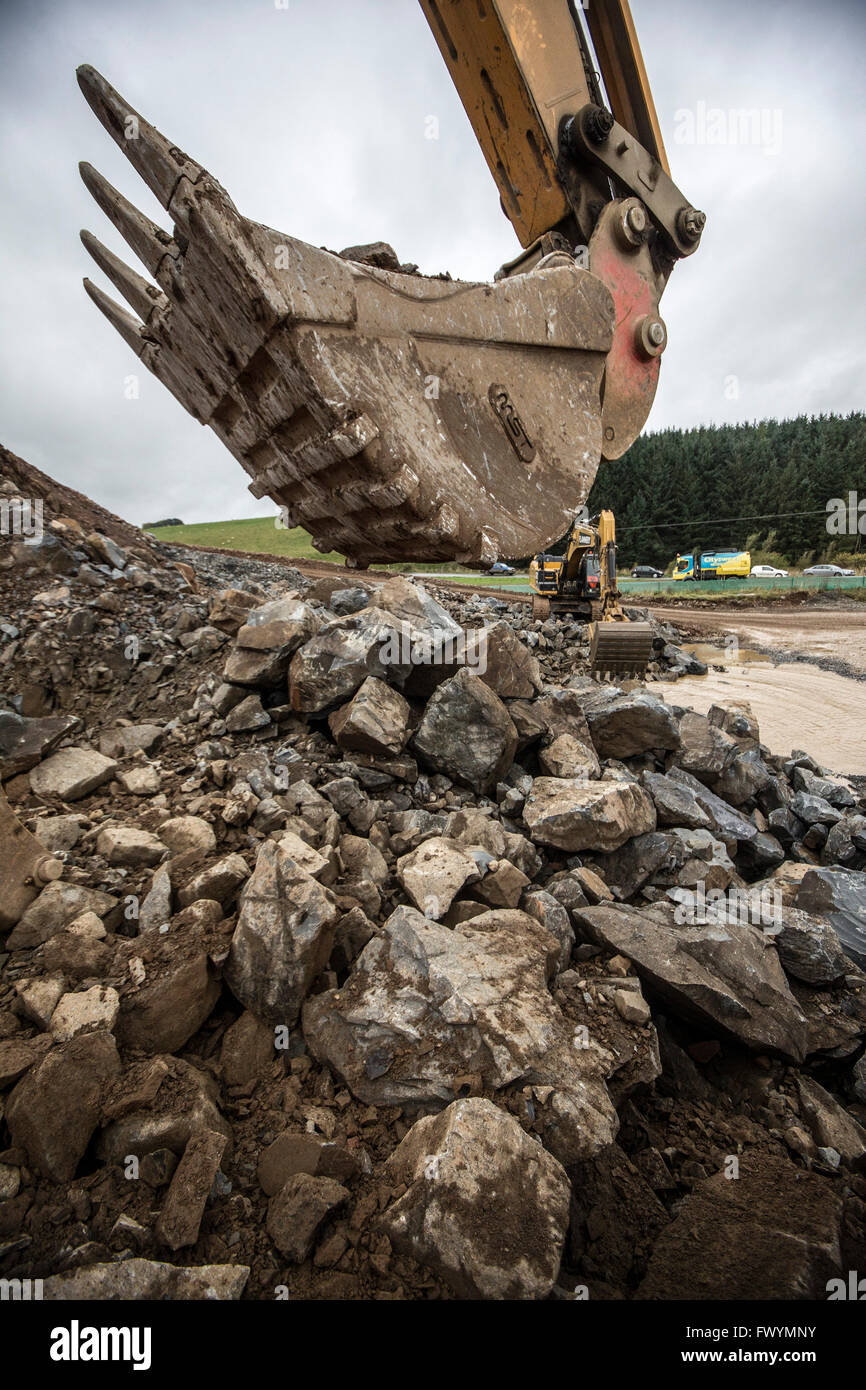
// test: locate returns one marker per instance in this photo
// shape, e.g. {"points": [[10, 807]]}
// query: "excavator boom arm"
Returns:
{"points": [[525, 71]]}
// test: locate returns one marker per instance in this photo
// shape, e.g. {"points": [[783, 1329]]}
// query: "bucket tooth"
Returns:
{"points": [[129, 328], [149, 242], [159, 163], [139, 294]]}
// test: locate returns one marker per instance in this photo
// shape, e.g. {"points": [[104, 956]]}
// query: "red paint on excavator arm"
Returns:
{"points": [[630, 378]]}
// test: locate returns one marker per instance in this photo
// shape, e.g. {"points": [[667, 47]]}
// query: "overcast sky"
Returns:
{"points": [[313, 118]]}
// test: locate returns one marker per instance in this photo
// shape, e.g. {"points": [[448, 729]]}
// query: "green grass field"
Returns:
{"points": [[259, 536]]}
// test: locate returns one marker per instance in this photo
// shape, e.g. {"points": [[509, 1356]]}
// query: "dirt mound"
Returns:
{"points": [[62, 501]]}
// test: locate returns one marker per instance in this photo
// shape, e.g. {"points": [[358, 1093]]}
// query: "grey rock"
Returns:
{"points": [[283, 938], [814, 810], [141, 1280], [625, 725], [675, 803], [448, 1164], [577, 813], [327, 670], [466, 732], [724, 977], [425, 1005], [71, 774], [829, 1122], [809, 948], [727, 823], [839, 895], [511, 669], [375, 721]]}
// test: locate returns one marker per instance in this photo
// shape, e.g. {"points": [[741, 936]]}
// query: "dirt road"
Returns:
{"points": [[830, 633]]}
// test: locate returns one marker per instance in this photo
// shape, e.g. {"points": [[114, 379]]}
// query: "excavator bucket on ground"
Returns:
{"points": [[399, 417], [620, 648]]}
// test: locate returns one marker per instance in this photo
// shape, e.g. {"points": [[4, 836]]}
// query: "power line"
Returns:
{"points": [[720, 521]]}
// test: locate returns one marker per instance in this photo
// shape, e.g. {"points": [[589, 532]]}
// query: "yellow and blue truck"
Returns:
{"points": [[714, 564]]}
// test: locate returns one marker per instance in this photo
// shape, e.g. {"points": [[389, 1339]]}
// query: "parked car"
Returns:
{"points": [[768, 572], [830, 570], [645, 572], [501, 568]]}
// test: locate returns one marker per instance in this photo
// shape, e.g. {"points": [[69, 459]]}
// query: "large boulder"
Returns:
{"points": [[283, 938], [510, 669], [434, 873], [705, 749], [723, 976], [485, 1207], [327, 670], [625, 725], [675, 803], [630, 867], [568, 756], [423, 619], [736, 1239], [54, 1110], [809, 948], [576, 813], [725, 822], [467, 733], [265, 643], [375, 721], [425, 1005], [840, 896]]}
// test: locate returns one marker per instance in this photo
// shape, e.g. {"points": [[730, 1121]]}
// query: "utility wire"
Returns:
{"points": [[720, 521]]}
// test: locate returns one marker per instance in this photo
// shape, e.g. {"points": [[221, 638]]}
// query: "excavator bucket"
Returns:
{"points": [[25, 867], [393, 416], [620, 648]]}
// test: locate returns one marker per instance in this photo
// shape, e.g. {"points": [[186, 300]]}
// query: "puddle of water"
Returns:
{"points": [[722, 656], [797, 706]]}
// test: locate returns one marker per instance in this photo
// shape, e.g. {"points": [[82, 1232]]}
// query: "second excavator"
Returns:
{"points": [[397, 417]]}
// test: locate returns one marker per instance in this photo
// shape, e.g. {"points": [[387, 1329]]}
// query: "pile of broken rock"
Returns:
{"points": [[376, 976]]}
